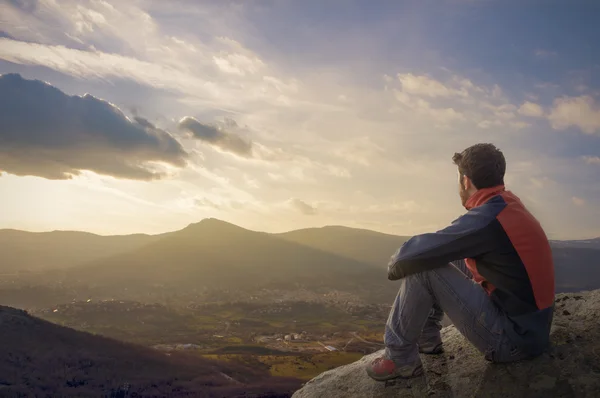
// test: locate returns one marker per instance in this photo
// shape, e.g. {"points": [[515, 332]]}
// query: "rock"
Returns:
{"points": [[569, 368]]}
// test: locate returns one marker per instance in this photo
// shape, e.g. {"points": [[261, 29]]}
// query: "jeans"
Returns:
{"points": [[422, 300]]}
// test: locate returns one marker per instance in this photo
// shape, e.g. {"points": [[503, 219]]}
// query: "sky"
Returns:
{"points": [[129, 116]]}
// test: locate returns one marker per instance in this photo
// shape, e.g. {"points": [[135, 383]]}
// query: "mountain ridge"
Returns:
{"points": [[328, 226], [215, 255]]}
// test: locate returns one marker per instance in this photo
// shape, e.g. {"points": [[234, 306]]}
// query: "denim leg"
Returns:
{"points": [[465, 302], [406, 320], [430, 335]]}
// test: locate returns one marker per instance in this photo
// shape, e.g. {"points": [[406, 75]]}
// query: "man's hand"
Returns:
{"points": [[392, 269]]}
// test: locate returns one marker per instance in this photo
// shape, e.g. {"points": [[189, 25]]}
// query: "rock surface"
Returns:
{"points": [[569, 368]]}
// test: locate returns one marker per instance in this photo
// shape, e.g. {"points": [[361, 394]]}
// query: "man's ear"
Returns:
{"points": [[468, 184]]}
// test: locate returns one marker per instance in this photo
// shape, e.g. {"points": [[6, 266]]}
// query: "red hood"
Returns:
{"points": [[483, 195]]}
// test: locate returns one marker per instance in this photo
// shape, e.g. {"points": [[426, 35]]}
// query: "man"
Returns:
{"points": [[490, 271]]}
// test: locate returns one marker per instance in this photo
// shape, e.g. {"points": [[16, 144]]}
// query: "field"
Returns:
{"points": [[287, 339], [303, 367]]}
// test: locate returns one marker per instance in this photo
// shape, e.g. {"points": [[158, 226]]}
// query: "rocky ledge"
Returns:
{"points": [[570, 367]]}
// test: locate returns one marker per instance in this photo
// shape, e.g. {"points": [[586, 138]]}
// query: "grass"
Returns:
{"points": [[303, 367], [307, 367]]}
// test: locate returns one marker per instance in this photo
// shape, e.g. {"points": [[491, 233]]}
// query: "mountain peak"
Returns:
{"points": [[212, 225]]}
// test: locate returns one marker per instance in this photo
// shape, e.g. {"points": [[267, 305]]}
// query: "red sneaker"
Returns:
{"points": [[382, 369]]}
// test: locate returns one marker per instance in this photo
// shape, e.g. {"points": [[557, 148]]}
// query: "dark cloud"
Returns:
{"points": [[4, 35], [46, 133], [230, 123], [216, 136], [24, 5], [303, 207]]}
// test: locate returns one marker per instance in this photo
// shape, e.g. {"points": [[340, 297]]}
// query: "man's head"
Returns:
{"points": [[479, 166]]}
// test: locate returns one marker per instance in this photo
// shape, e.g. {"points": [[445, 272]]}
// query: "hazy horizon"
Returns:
{"points": [[277, 116], [241, 226]]}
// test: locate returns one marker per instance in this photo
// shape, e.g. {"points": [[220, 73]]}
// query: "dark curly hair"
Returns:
{"points": [[484, 164]]}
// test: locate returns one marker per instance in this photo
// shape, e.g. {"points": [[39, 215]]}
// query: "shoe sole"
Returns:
{"points": [[438, 349], [416, 373]]}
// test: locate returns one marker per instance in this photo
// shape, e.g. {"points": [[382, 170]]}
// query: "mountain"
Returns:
{"points": [[214, 254], [570, 368], [36, 251], [215, 260], [576, 268], [366, 246], [577, 244], [43, 359], [577, 262]]}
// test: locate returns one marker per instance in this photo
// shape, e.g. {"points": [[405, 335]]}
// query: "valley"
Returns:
{"points": [[293, 304], [295, 339]]}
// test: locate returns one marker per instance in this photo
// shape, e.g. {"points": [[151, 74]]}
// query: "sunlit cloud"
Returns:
{"points": [[591, 159], [531, 109], [582, 112], [578, 201]]}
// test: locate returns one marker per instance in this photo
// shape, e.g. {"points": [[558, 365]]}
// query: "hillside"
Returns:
{"points": [[215, 254], [369, 247], [215, 260], [577, 244], [36, 251], [570, 368], [41, 358], [576, 262], [576, 268]]}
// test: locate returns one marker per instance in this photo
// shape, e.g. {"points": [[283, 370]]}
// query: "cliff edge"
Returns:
{"points": [[569, 368]]}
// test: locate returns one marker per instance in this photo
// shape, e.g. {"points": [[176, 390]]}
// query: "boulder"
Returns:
{"points": [[569, 368]]}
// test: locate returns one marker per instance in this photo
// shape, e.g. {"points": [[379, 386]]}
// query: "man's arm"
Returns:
{"points": [[468, 236]]}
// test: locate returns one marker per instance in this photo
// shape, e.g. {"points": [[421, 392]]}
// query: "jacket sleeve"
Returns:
{"points": [[466, 237]]}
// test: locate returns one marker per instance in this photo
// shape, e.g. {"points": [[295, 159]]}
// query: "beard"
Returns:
{"points": [[464, 195]]}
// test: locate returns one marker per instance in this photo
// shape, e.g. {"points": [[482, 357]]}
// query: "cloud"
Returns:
{"points": [[297, 164], [531, 109], [46, 133], [546, 86], [25, 5], [578, 201], [582, 112], [361, 150], [426, 86], [5, 35], [172, 66], [442, 115], [302, 207], [543, 182], [216, 136], [453, 100], [238, 64], [541, 53], [592, 159], [204, 202]]}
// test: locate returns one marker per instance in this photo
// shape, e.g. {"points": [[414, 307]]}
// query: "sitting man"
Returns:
{"points": [[490, 271]]}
